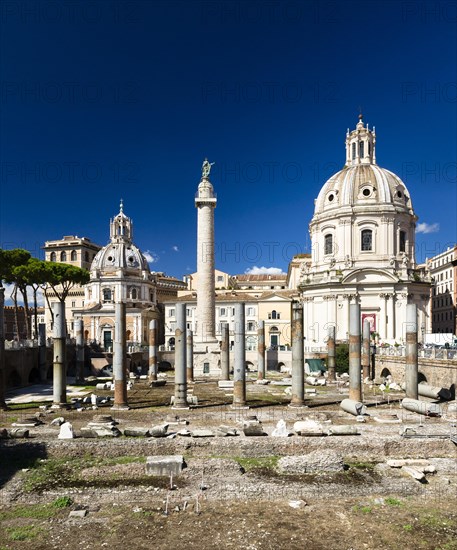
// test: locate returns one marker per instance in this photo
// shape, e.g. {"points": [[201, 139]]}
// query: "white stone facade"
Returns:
{"points": [[363, 250]]}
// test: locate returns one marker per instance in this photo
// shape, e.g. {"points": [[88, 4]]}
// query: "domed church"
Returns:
{"points": [[363, 249]]}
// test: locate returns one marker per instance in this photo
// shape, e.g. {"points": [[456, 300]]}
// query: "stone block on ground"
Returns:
{"points": [[66, 431], [135, 431], [343, 430], [224, 431], [159, 431], [18, 433], [323, 460], [164, 465], [308, 428], [202, 433]]}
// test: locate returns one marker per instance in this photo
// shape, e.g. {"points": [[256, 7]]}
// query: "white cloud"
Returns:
{"points": [[264, 271], [427, 227], [151, 257], [175, 248], [9, 289]]}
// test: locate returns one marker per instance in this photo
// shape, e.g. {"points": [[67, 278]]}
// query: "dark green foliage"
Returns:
{"points": [[342, 358]]}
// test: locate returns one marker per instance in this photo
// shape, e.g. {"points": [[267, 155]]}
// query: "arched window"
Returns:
{"points": [[353, 151], [107, 295], [328, 244], [73, 256], [361, 149], [86, 256], [134, 294], [273, 314], [53, 257], [402, 241], [367, 239], [63, 256]]}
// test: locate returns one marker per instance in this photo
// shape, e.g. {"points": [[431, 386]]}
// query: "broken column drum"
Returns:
{"points": [[261, 350], [331, 354], [366, 349], [60, 355], [355, 376], [239, 385], [298, 364], [119, 357], [190, 355], [180, 401], [152, 373], [225, 353], [411, 362], [79, 331]]}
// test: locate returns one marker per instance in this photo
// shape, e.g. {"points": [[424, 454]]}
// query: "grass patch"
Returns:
{"points": [[27, 532], [25, 406], [363, 509], [62, 502], [37, 511], [393, 501], [262, 462], [65, 472], [408, 527]]}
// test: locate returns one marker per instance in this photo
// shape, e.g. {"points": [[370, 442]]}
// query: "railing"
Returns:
{"points": [[426, 353]]}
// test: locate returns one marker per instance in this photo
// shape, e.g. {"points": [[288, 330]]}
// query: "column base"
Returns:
{"points": [[120, 408], [240, 407], [298, 406], [60, 406], [179, 408]]}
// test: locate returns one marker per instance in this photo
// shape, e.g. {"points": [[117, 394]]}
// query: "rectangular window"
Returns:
{"points": [[361, 149], [73, 304], [251, 311], [353, 151], [205, 368], [367, 240], [328, 244], [220, 278], [250, 327], [171, 313], [223, 312]]}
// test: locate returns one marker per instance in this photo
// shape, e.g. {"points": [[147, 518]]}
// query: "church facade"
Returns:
{"points": [[120, 272], [363, 251]]}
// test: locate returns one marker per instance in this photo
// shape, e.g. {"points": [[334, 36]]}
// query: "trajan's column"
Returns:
{"points": [[205, 202]]}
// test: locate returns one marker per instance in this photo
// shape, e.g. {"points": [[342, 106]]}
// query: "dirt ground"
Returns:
{"points": [[231, 493]]}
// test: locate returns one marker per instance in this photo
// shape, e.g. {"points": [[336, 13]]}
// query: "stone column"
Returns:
{"points": [[239, 385], [119, 357], [355, 377], [298, 363], [225, 353], [392, 316], [331, 354], [152, 373], [366, 349], [79, 332], [42, 352], [2, 347], [411, 363], [261, 350], [206, 203], [190, 355], [60, 356], [180, 358]]}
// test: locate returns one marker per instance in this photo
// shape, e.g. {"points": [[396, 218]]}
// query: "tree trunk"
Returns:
{"points": [[16, 313], [23, 290]]}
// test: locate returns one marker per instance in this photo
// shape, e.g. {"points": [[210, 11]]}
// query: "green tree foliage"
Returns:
{"points": [[342, 358], [63, 277]]}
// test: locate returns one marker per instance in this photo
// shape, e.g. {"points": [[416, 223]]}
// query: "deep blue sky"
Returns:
{"points": [[125, 99]]}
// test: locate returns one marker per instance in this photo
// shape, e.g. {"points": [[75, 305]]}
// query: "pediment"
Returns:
{"points": [[373, 276]]}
